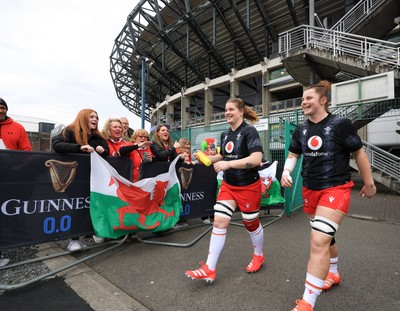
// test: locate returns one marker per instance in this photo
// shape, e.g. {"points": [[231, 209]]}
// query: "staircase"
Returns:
{"points": [[385, 166], [342, 53], [347, 50], [332, 55], [372, 18]]}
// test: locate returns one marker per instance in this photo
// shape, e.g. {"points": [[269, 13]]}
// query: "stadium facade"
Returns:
{"points": [[177, 62]]}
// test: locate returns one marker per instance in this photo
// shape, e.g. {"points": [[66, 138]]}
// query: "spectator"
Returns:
{"points": [[209, 148], [163, 148], [138, 150], [127, 131], [240, 157], [184, 146], [14, 137], [12, 133], [113, 131], [81, 136], [326, 142]]}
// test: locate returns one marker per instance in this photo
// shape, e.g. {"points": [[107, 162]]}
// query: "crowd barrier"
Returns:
{"points": [[46, 196]]}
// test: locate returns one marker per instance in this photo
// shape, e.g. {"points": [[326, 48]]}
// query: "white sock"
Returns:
{"points": [[313, 289], [333, 265], [257, 238], [217, 241]]}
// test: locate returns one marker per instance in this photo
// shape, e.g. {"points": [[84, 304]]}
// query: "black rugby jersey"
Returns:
{"points": [[326, 148], [240, 144]]}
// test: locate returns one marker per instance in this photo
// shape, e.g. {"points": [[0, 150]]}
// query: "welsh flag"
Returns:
{"points": [[270, 188], [118, 206]]}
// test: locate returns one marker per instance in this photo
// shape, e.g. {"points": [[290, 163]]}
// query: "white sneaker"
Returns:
{"points": [[98, 239], [178, 225], [75, 245], [206, 221], [4, 261]]}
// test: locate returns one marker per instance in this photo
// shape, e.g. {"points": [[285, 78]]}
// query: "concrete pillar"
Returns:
{"points": [[160, 116], [153, 118], [208, 104], [185, 114], [265, 93], [234, 85], [266, 107], [170, 114]]}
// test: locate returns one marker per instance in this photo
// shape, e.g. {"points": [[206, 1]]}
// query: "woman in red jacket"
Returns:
{"points": [[113, 132], [138, 150]]}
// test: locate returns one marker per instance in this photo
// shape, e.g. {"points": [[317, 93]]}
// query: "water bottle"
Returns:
{"points": [[203, 158]]}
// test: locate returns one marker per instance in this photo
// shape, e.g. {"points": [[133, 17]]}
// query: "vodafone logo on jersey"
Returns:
{"points": [[229, 147], [314, 142]]}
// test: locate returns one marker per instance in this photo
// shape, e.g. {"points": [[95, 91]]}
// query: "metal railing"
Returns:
{"points": [[276, 107], [356, 15], [368, 50], [383, 161]]}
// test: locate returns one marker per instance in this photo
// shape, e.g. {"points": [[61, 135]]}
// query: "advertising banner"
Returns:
{"points": [[46, 196]]}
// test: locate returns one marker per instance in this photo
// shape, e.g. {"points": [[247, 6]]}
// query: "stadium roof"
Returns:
{"points": [[183, 43]]}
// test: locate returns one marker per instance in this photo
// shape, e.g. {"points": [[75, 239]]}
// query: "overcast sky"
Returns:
{"points": [[54, 57]]}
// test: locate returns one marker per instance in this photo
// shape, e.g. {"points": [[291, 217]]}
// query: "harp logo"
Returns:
{"points": [[186, 176], [61, 173]]}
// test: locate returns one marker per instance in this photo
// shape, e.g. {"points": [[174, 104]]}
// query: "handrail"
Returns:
{"points": [[367, 50], [382, 160], [356, 15], [352, 111]]}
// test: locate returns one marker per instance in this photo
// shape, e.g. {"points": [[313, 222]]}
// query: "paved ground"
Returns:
{"points": [[141, 276]]}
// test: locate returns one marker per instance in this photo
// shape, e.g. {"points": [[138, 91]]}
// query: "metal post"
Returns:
{"points": [[143, 88]]}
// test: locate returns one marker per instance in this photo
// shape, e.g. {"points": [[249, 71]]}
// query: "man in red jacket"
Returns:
{"points": [[12, 136]]}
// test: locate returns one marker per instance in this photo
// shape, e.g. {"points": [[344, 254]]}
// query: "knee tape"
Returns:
{"points": [[250, 216], [224, 209], [251, 221], [324, 225]]}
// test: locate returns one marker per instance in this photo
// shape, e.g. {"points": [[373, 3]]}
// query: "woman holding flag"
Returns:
{"points": [[239, 159], [81, 136]]}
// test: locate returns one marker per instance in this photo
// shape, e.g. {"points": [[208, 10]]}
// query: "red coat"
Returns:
{"points": [[137, 159], [115, 146], [14, 135]]}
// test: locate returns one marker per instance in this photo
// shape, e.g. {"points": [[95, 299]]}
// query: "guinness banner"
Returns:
{"points": [[198, 186], [45, 196]]}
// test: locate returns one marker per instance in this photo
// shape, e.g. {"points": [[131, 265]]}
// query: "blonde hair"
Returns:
{"points": [[80, 127], [107, 125], [141, 132], [248, 113], [183, 141], [323, 89]]}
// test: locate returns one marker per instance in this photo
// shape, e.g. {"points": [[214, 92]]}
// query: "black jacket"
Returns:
{"points": [[161, 154], [68, 143]]}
